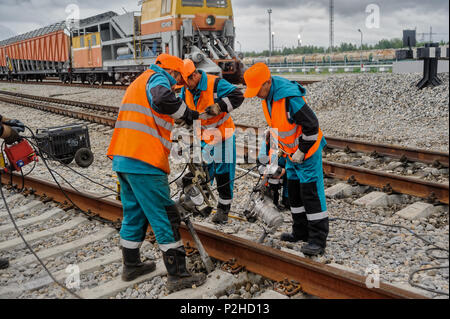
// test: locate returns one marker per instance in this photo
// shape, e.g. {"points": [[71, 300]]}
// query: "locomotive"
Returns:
{"points": [[117, 48]]}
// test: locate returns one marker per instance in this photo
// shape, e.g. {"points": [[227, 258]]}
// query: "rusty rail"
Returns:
{"points": [[411, 154], [92, 106], [404, 185], [400, 152], [81, 85], [99, 119], [389, 182], [316, 279]]}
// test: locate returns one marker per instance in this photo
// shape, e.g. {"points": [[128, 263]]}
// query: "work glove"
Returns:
{"points": [[191, 117], [213, 110], [10, 135], [298, 157], [16, 124]]}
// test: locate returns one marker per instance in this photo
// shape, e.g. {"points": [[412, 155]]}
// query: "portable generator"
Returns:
{"points": [[66, 143]]}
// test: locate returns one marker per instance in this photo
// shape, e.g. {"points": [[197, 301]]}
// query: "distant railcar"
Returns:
{"points": [[318, 58]]}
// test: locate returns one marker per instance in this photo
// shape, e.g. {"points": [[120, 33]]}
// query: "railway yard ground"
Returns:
{"points": [[377, 108]]}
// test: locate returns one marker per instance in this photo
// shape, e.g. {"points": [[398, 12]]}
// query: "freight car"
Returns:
{"points": [[320, 58], [117, 48]]}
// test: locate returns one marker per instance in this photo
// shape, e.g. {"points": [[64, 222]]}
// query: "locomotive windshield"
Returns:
{"points": [[217, 3], [192, 3]]}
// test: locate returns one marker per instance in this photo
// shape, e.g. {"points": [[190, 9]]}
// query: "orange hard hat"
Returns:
{"points": [[188, 69], [255, 77], [167, 61]]}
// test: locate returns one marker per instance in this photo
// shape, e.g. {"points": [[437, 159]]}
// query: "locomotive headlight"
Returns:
{"points": [[210, 20]]}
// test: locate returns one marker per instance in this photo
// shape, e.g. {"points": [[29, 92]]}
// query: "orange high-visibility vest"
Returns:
{"points": [[288, 134], [219, 128], [140, 132]]}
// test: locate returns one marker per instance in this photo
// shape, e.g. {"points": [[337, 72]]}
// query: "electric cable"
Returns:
{"points": [[237, 178], [29, 247], [181, 175], [75, 189], [411, 275], [64, 165], [68, 197]]}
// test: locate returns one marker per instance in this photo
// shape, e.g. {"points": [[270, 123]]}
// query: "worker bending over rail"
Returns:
{"points": [[215, 99], [295, 128], [9, 131], [140, 150]]}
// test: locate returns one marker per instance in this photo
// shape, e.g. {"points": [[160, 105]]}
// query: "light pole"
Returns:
{"points": [[240, 46], [273, 41], [359, 30], [270, 32]]}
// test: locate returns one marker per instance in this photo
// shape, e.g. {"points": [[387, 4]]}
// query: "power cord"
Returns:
{"points": [[410, 279], [436, 248], [29, 247]]}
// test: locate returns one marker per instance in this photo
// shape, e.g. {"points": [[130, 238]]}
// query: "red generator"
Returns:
{"points": [[20, 155]]}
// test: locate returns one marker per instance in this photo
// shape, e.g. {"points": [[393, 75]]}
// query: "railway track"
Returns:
{"points": [[109, 86], [291, 272], [80, 85], [105, 211], [432, 191]]}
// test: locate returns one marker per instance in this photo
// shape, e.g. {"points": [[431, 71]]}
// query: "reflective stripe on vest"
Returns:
{"points": [[287, 134], [146, 111], [145, 129], [140, 132], [223, 123]]}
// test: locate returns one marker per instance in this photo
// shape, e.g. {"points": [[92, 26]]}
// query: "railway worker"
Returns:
{"points": [[296, 129], [140, 150], [9, 131], [215, 99], [276, 183]]}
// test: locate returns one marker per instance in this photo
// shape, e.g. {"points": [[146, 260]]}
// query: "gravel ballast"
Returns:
{"points": [[383, 108]]}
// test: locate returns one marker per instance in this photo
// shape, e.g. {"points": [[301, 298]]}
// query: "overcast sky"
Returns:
{"points": [[309, 18]]}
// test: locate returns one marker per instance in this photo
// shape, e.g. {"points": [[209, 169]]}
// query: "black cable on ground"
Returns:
{"points": [[181, 175], [67, 196], [75, 189], [237, 178], [31, 249], [410, 279], [41, 151]]}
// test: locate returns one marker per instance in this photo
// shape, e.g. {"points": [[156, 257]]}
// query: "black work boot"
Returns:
{"points": [[221, 216], [299, 230], [179, 277], [4, 263], [284, 204], [133, 267], [292, 238], [312, 249]]}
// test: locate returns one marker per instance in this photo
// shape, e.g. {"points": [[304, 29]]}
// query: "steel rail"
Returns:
{"points": [[114, 86], [389, 182], [93, 106], [316, 279], [108, 121], [81, 85], [411, 154]]}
